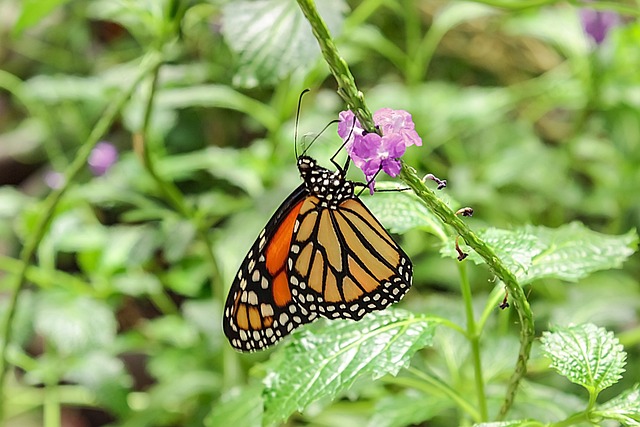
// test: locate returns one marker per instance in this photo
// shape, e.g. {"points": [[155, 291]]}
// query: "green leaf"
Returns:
{"points": [[218, 96], [241, 407], [144, 19], [586, 355], [33, 11], [178, 236], [106, 376], [400, 212], [74, 324], [511, 423], [272, 39], [323, 362], [570, 252], [407, 408], [624, 408], [136, 283], [172, 329]]}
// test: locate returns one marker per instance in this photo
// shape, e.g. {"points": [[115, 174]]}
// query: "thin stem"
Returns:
{"points": [[347, 88], [474, 340], [608, 6], [433, 386], [414, 58], [516, 5], [48, 209], [51, 406], [355, 101], [516, 294], [175, 198], [577, 418], [492, 302]]}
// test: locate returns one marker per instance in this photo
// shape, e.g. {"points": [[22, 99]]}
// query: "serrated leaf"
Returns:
{"points": [[241, 407], [624, 408], [272, 38], [586, 355], [74, 324], [400, 212], [325, 361], [569, 252]]}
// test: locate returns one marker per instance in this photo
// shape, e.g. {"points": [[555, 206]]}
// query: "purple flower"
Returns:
{"points": [[53, 179], [397, 122], [102, 157], [597, 24], [349, 126], [373, 153]]}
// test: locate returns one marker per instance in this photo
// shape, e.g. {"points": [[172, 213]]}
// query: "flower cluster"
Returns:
{"points": [[373, 153], [597, 24]]}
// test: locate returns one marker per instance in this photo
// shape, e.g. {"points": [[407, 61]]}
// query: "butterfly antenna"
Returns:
{"points": [[295, 132], [346, 165], [318, 135]]}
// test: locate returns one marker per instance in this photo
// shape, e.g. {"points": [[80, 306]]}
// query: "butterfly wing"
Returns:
{"points": [[343, 263], [260, 310]]}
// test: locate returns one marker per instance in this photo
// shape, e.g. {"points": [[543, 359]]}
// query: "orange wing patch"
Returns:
{"points": [[278, 247]]}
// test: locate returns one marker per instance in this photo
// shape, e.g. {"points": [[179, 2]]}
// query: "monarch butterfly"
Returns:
{"points": [[322, 253]]}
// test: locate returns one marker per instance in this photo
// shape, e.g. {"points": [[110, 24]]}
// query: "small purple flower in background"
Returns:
{"points": [[597, 24], [373, 153], [53, 179], [102, 157]]}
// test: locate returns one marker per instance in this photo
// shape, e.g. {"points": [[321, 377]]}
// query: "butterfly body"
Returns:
{"points": [[321, 254]]}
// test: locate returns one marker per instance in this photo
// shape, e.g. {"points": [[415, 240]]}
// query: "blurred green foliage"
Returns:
{"points": [[119, 319]]}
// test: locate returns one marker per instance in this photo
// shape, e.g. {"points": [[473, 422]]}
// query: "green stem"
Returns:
{"points": [[492, 302], [414, 58], [48, 209], [175, 198], [434, 386], [51, 406], [347, 88], [355, 101], [578, 418], [473, 335], [625, 9], [516, 5], [518, 298]]}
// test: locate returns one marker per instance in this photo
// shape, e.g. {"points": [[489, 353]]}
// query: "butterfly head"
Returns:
{"points": [[330, 187]]}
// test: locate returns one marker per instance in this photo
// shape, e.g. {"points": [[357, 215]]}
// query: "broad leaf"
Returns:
{"points": [[33, 11], [74, 324], [272, 38], [570, 252], [624, 408], [400, 212], [241, 407], [329, 360], [586, 355]]}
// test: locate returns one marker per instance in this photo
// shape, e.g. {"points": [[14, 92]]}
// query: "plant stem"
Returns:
{"points": [[347, 88], [175, 198], [355, 102], [434, 386], [518, 298], [473, 335], [48, 209]]}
